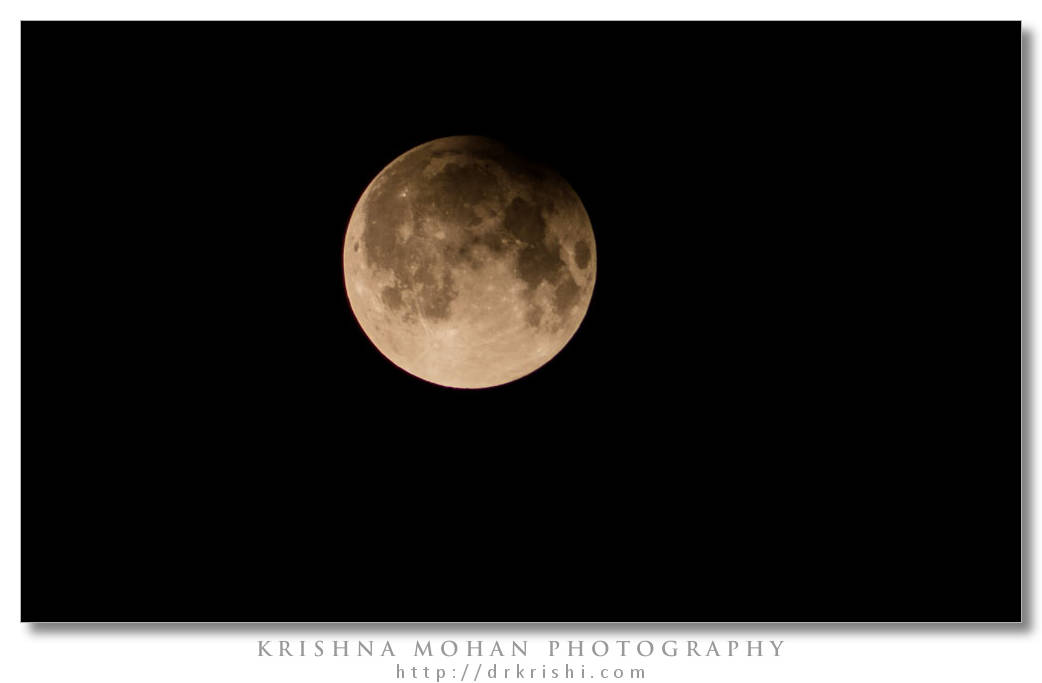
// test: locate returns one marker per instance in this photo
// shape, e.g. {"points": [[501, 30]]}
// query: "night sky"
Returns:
{"points": [[793, 397]]}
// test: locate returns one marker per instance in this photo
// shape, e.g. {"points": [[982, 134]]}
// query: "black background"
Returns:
{"points": [[793, 398]]}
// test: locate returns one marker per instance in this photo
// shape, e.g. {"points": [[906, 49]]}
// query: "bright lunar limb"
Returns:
{"points": [[467, 265]]}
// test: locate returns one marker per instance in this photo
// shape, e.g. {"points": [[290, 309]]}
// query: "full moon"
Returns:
{"points": [[467, 265]]}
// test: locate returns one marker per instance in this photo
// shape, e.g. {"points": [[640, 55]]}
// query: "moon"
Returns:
{"points": [[467, 265]]}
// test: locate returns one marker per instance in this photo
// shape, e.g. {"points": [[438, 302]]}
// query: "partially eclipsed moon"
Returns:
{"points": [[468, 266]]}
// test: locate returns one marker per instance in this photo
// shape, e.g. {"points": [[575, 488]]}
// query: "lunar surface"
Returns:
{"points": [[467, 265]]}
